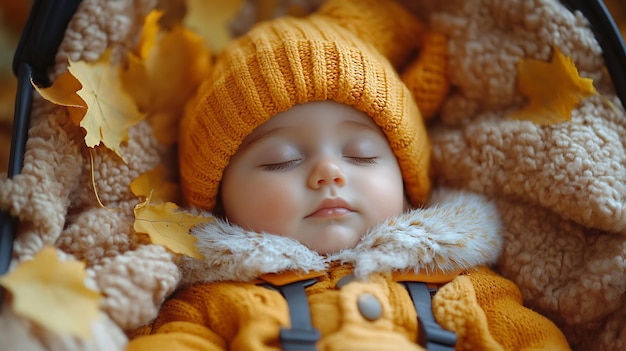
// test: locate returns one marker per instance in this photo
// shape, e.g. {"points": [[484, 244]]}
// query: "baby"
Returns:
{"points": [[312, 155]]}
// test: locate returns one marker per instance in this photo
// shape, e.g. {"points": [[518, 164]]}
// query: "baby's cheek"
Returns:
{"points": [[385, 197], [270, 208]]}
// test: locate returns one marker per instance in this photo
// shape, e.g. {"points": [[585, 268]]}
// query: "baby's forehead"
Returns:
{"points": [[334, 117], [319, 112]]}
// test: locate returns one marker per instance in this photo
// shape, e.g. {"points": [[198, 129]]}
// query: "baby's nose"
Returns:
{"points": [[326, 172]]}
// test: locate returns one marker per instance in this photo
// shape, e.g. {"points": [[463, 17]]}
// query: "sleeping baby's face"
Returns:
{"points": [[322, 173]]}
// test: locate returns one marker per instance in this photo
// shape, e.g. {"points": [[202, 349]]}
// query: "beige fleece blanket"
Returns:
{"points": [[560, 188]]}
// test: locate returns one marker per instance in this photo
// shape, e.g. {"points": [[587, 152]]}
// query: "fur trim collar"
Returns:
{"points": [[456, 231]]}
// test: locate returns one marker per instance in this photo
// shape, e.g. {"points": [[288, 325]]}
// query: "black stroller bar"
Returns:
{"points": [[608, 35], [42, 35], [36, 51]]}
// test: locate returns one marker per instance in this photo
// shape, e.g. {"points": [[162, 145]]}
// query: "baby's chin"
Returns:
{"points": [[333, 240]]}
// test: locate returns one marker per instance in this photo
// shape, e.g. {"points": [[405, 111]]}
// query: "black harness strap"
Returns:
{"points": [[302, 336], [431, 335]]}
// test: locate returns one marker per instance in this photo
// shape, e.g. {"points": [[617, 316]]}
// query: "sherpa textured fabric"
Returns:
{"points": [[560, 188], [54, 200]]}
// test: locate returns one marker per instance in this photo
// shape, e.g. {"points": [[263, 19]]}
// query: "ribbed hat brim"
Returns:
{"points": [[293, 61]]}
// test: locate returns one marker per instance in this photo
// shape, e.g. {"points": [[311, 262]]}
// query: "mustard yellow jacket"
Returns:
{"points": [[223, 307]]}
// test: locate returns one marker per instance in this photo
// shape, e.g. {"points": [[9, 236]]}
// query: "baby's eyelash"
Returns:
{"points": [[279, 166], [363, 160]]}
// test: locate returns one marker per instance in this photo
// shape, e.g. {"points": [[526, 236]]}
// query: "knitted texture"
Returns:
{"points": [[293, 61], [560, 188], [244, 316], [455, 307]]}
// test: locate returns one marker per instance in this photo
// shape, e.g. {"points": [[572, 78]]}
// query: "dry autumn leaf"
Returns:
{"points": [[111, 112], [153, 184], [553, 89], [169, 227], [176, 65], [53, 294], [149, 33], [211, 19], [175, 61], [136, 83], [63, 92]]}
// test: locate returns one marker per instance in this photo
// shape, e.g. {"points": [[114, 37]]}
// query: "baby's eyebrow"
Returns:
{"points": [[363, 125], [257, 136]]}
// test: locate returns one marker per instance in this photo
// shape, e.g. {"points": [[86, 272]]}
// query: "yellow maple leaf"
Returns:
{"points": [[211, 20], [168, 226], [111, 112], [149, 33], [175, 61], [153, 184], [176, 65], [136, 83], [63, 92], [53, 294], [553, 88]]}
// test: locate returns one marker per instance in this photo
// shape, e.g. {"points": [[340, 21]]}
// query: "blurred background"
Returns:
{"points": [[13, 14]]}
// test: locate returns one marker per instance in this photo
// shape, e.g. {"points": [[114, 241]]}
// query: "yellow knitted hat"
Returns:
{"points": [[345, 52]]}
